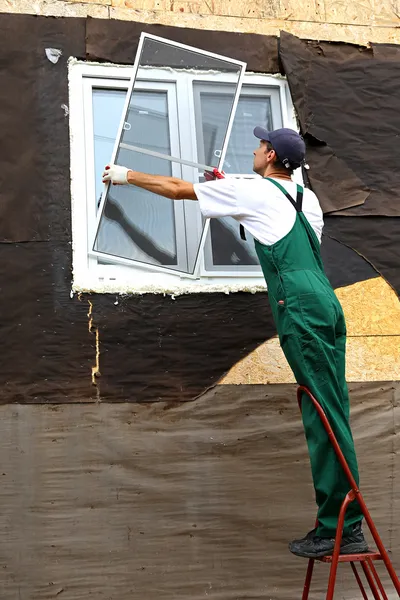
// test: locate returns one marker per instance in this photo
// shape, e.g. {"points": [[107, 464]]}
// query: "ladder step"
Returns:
{"points": [[353, 557]]}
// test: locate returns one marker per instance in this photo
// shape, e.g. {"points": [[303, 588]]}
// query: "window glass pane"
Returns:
{"points": [[140, 226], [212, 111], [147, 121], [227, 248], [251, 111], [107, 105]]}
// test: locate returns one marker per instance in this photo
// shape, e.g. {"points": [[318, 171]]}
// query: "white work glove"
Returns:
{"points": [[115, 174]]}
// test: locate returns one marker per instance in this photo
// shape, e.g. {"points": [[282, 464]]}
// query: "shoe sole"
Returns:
{"points": [[354, 548]]}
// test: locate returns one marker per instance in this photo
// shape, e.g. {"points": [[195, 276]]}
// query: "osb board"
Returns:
{"points": [[115, 502], [361, 27], [371, 308], [373, 13], [367, 359], [372, 313], [258, 9]]}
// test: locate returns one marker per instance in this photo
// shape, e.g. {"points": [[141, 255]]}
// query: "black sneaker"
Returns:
{"points": [[309, 536], [313, 546]]}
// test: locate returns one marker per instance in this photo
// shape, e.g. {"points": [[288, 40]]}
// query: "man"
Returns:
{"points": [[286, 222]]}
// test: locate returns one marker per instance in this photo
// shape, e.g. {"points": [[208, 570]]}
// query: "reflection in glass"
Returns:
{"points": [[108, 105], [137, 224], [147, 121], [213, 109], [228, 249]]}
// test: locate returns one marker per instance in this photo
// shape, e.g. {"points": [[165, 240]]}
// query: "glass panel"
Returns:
{"points": [[108, 105], [147, 122], [227, 248], [251, 111], [212, 110], [130, 230], [139, 226], [148, 115], [212, 115]]}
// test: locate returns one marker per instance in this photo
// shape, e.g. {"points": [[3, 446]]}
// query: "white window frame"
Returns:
{"points": [[88, 274]]}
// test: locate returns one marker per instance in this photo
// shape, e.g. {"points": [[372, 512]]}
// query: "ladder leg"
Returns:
{"points": [[370, 580], [307, 582], [370, 573], [377, 579], [358, 579], [338, 540], [379, 543]]}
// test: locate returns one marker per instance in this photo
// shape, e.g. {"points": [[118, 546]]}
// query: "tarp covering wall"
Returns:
{"points": [[194, 500]]}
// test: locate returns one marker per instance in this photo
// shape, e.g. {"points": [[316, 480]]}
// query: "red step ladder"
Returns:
{"points": [[366, 560]]}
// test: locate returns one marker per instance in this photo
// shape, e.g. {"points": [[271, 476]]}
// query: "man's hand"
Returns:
{"points": [[215, 174], [116, 175], [169, 187]]}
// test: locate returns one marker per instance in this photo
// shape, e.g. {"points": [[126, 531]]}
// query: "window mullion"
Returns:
{"points": [[176, 169], [192, 215]]}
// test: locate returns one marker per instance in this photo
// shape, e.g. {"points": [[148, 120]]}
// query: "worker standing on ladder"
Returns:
{"points": [[286, 221]]}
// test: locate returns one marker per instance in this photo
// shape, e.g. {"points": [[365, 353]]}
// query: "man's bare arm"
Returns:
{"points": [[170, 187]]}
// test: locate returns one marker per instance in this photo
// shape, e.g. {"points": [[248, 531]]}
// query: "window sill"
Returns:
{"points": [[169, 285]]}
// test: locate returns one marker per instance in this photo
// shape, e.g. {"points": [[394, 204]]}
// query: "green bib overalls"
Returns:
{"points": [[312, 333]]}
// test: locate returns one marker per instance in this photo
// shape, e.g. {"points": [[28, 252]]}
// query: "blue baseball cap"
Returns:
{"points": [[287, 143]]}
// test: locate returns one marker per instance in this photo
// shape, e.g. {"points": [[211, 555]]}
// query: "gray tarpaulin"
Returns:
{"points": [[195, 500]]}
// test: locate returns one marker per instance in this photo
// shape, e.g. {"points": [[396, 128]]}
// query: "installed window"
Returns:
{"points": [[176, 124]]}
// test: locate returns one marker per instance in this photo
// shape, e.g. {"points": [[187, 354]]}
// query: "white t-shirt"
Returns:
{"points": [[258, 205]]}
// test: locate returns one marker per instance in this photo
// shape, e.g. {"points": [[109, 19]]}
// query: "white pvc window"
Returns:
{"points": [[167, 101], [151, 228]]}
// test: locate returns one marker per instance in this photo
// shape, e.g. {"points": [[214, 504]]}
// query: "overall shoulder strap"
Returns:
{"points": [[298, 203]]}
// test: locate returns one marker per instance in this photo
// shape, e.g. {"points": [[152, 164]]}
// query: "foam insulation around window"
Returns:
{"points": [[75, 61], [128, 289], [53, 54]]}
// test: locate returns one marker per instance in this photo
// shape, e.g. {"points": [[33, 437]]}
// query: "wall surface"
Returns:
{"points": [[151, 447], [354, 22]]}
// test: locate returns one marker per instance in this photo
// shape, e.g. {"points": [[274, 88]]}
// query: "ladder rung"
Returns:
{"points": [[353, 557]]}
